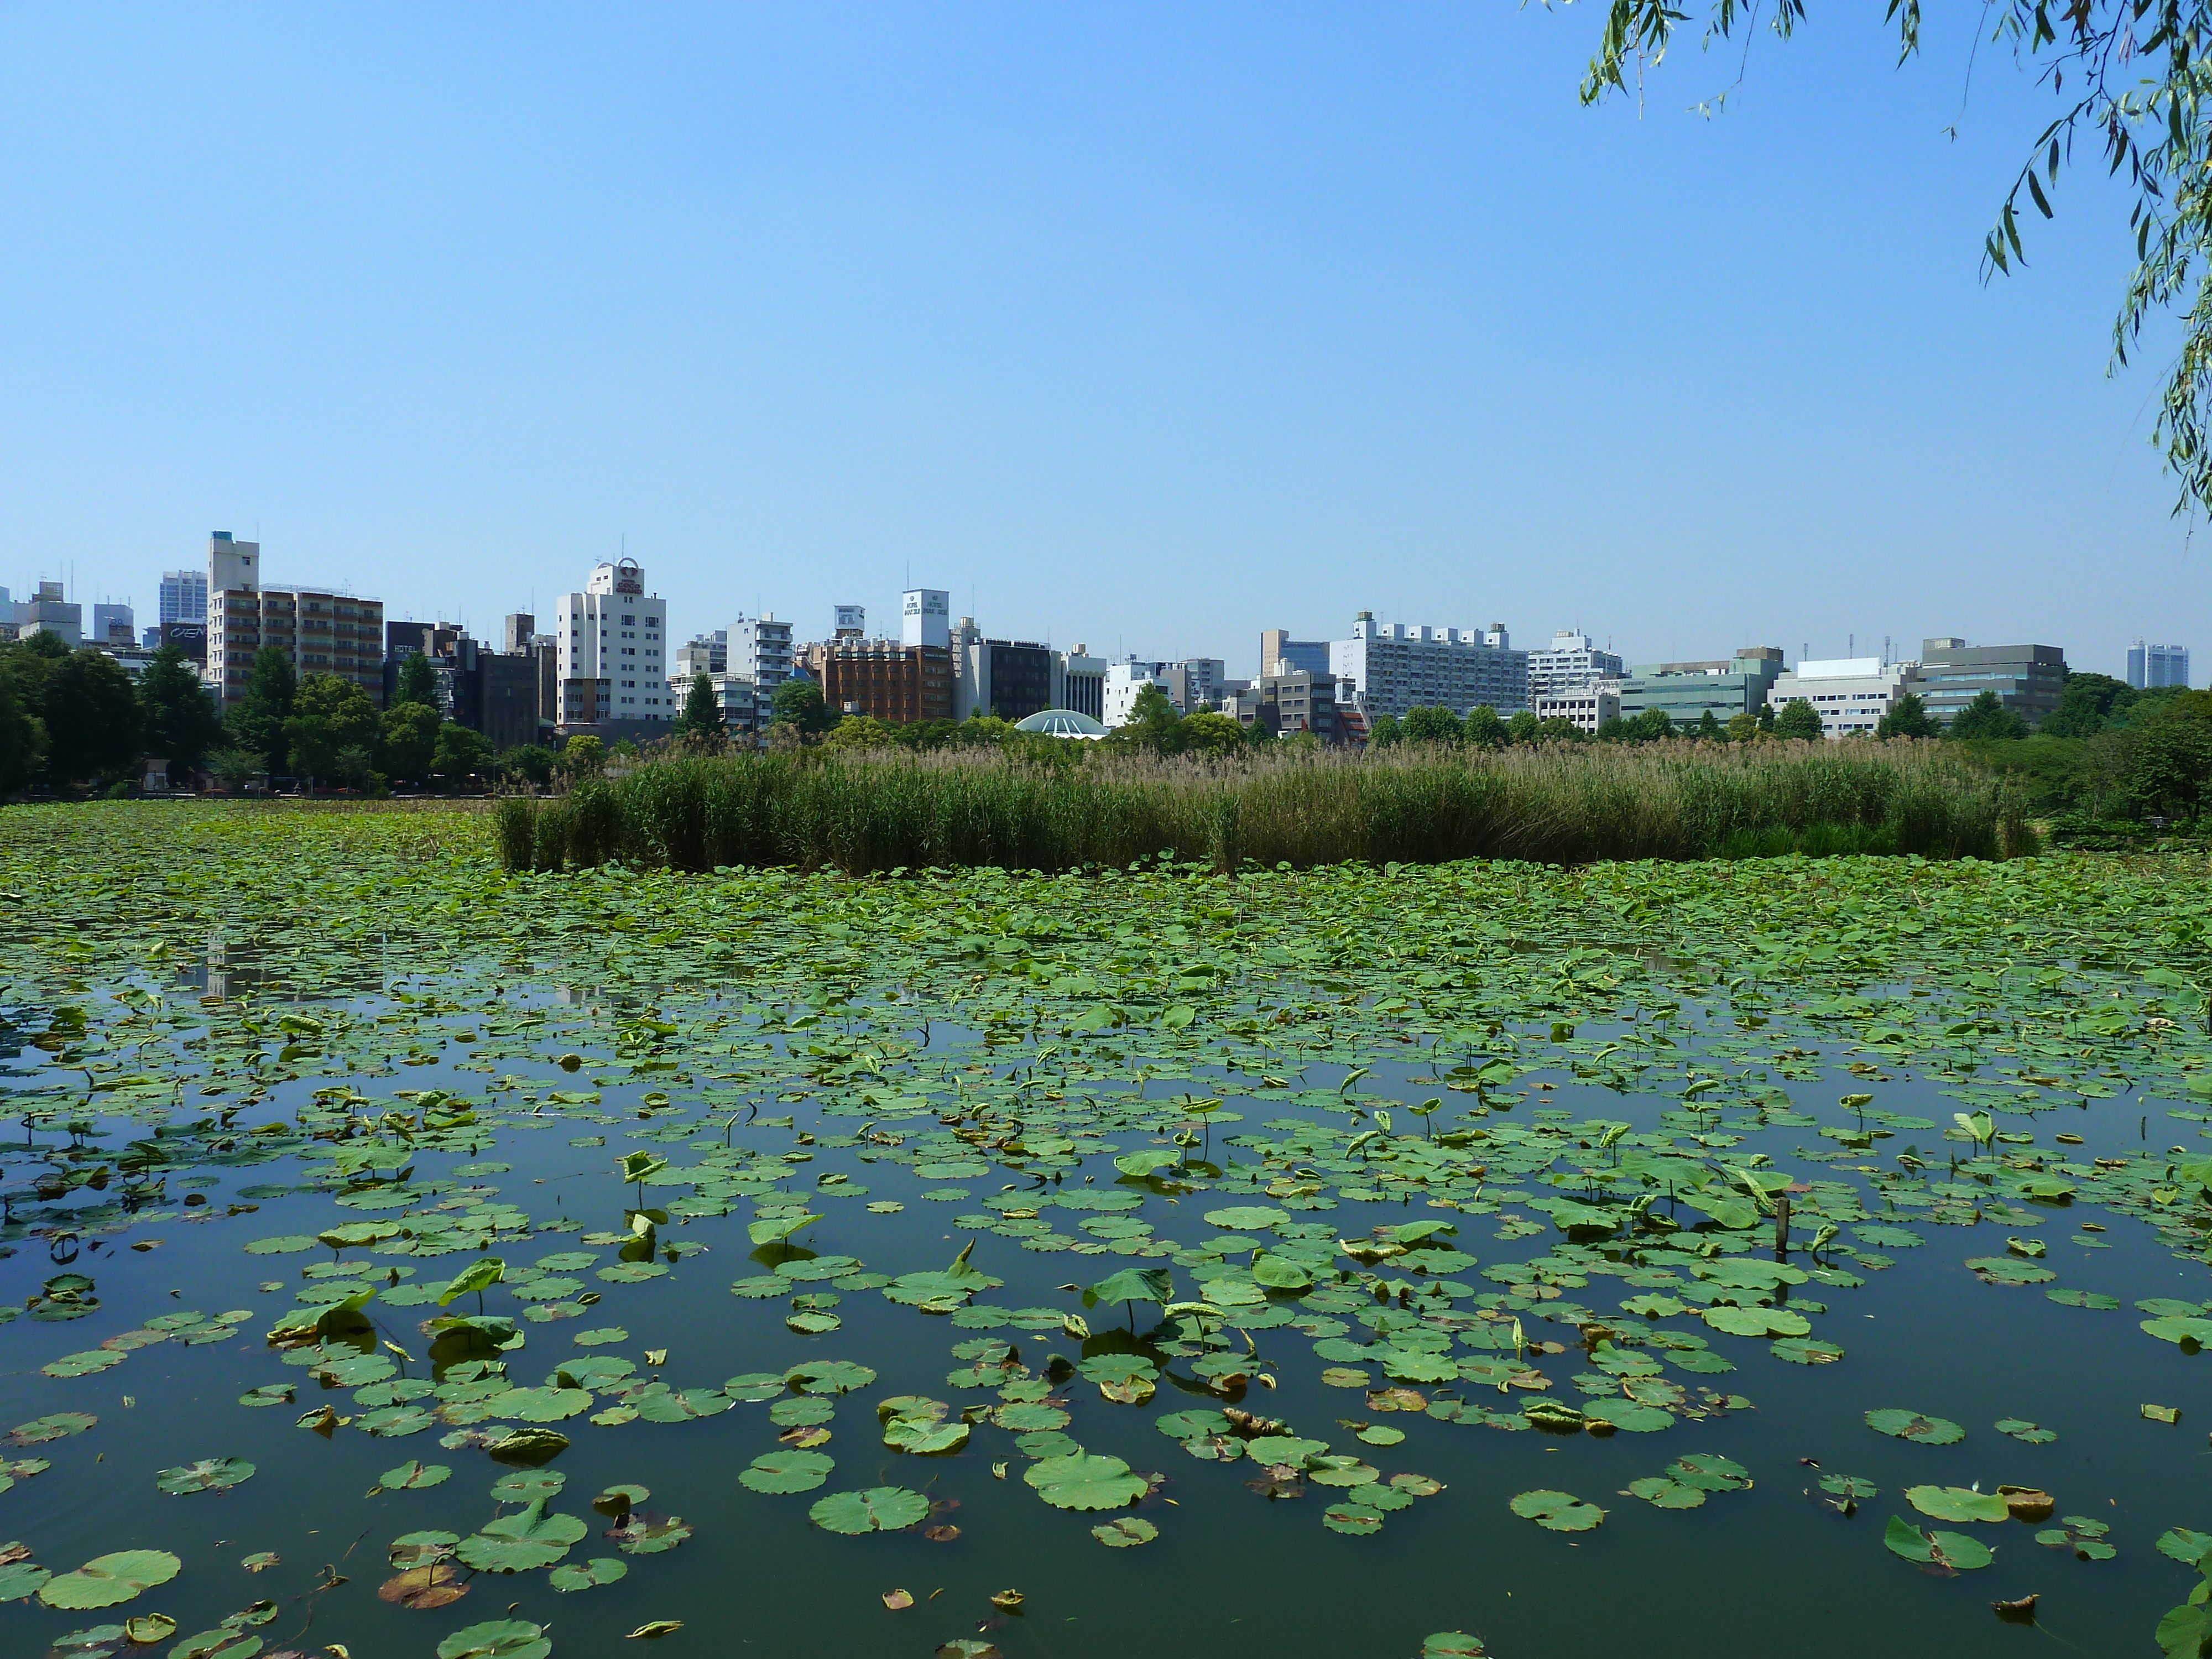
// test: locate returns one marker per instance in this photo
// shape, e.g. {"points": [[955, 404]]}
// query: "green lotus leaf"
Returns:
{"points": [[880, 1509], [108, 1581], [1084, 1480], [209, 1474], [1956, 1504], [1953, 1550], [588, 1574], [1912, 1425], [502, 1638], [788, 1471], [1556, 1511]]}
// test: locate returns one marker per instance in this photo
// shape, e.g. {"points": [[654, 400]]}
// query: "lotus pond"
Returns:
{"points": [[405, 1259]]}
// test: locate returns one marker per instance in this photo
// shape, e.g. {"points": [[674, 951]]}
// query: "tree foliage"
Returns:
{"points": [[328, 715], [1432, 725], [94, 728], [417, 683], [2128, 77], [410, 739], [1986, 716], [1800, 720], [256, 721], [1908, 717], [701, 726], [179, 719]]}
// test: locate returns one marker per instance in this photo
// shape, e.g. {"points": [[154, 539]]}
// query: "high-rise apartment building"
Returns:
{"points": [[758, 648], [1010, 678], [2150, 665], [318, 631], [1571, 662], [612, 642], [1387, 668], [184, 596]]}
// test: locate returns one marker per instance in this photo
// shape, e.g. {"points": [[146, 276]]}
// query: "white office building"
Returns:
{"points": [[1849, 694], [1587, 707], [1124, 680], [926, 617], [758, 648], [1387, 668], [1571, 662], [612, 640], [1080, 682]]}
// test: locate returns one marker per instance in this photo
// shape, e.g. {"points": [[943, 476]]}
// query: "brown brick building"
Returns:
{"points": [[896, 683]]}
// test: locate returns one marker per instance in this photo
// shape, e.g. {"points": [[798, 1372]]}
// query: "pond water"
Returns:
{"points": [[1564, 1279]]}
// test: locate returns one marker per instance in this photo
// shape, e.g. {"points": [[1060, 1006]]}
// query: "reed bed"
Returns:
{"points": [[875, 813]]}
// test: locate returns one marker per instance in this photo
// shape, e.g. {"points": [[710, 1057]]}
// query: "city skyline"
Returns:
{"points": [[1099, 324]]}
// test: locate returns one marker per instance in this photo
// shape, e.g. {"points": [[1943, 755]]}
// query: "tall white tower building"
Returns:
{"points": [[612, 642]]}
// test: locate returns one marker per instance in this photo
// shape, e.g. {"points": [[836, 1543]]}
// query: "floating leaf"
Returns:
{"points": [[209, 1474], [881, 1509], [788, 1472], [1912, 1425], [1084, 1480], [503, 1639], [1556, 1511], [1943, 1551], [1956, 1504], [108, 1581], [1124, 1532]]}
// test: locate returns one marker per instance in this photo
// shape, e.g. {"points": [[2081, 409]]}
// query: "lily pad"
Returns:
{"points": [[209, 1474], [1956, 1504], [880, 1509], [1084, 1480], [1913, 1425], [788, 1472], [1556, 1511], [108, 1581], [1125, 1531], [588, 1574], [503, 1639], [1943, 1551]]}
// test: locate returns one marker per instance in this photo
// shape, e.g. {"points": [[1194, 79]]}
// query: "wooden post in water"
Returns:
{"points": [[1782, 1227]]}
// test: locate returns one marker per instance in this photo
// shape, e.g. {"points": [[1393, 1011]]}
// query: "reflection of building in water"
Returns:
{"points": [[215, 980], [575, 996]]}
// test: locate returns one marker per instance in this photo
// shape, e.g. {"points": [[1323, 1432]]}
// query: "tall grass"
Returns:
{"points": [[870, 813]]}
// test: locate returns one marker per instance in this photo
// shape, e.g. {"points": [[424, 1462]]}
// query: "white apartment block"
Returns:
{"points": [[1124, 680], [1080, 682], [1587, 706], [1387, 668], [1568, 664], [1849, 694], [758, 649], [612, 638]]}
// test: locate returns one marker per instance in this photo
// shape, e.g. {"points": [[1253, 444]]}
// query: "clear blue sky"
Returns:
{"points": [[1148, 326]]}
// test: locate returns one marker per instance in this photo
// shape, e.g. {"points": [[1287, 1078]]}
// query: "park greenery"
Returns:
{"points": [[1780, 1222], [2112, 765]]}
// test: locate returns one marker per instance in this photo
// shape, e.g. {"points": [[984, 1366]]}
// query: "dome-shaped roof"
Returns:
{"points": [[1062, 723]]}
